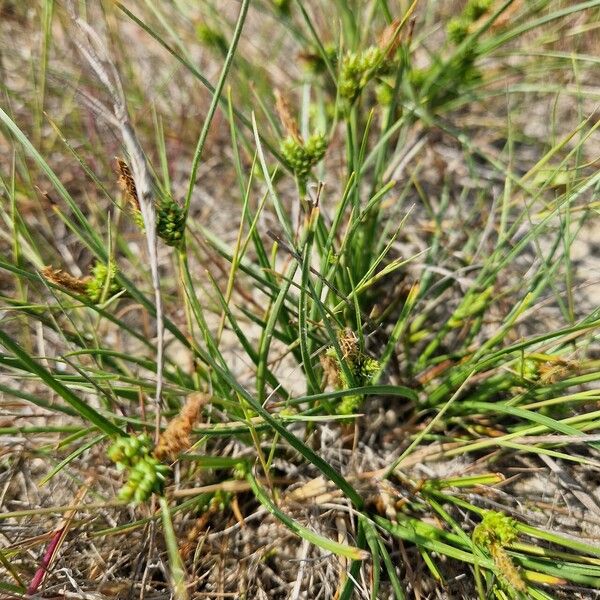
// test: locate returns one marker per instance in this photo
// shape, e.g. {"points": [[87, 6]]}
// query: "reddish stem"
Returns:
{"points": [[46, 560]]}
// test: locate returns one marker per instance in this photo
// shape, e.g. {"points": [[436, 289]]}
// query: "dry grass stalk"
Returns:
{"points": [[65, 280], [96, 54], [284, 112], [176, 438]]}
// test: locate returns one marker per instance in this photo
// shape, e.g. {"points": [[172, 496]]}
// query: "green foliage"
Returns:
{"points": [[471, 307], [440, 84], [211, 37]]}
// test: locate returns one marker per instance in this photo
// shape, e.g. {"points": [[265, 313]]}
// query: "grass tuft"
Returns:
{"points": [[328, 328]]}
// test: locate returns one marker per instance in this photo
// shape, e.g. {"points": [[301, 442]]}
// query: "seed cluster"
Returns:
{"points": [[494, 533], [302, 156], [146, 474], [459, 27], [362, 366], [357, 69], [170, 222], [103, 278], [170, 217]]}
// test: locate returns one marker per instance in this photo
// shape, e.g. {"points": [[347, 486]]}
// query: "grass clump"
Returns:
{"points": [[350, 348]]}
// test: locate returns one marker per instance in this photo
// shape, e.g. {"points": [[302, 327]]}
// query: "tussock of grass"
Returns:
{"points": [[330, 327]]}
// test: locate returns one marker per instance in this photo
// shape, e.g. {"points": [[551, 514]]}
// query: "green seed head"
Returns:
{"points": [[301, 157], [457, 29], [146, 477], [357, 69], [495, 528], [349, 405], [476, 9], [126, 492], [283, 6], [170, 222], [102, 277]]}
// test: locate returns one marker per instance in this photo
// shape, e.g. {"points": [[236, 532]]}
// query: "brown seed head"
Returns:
{"points": [[285, 116], [127, 184], [65, 280], [331, 371], [176, 437], [389, 39], [348, 341]]}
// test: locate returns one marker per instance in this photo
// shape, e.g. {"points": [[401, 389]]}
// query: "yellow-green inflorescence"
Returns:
{"points": [[103, 277], [146, 474], [458, 27], [493, 534], [357, 69], [529, 369], [303, 156]]}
